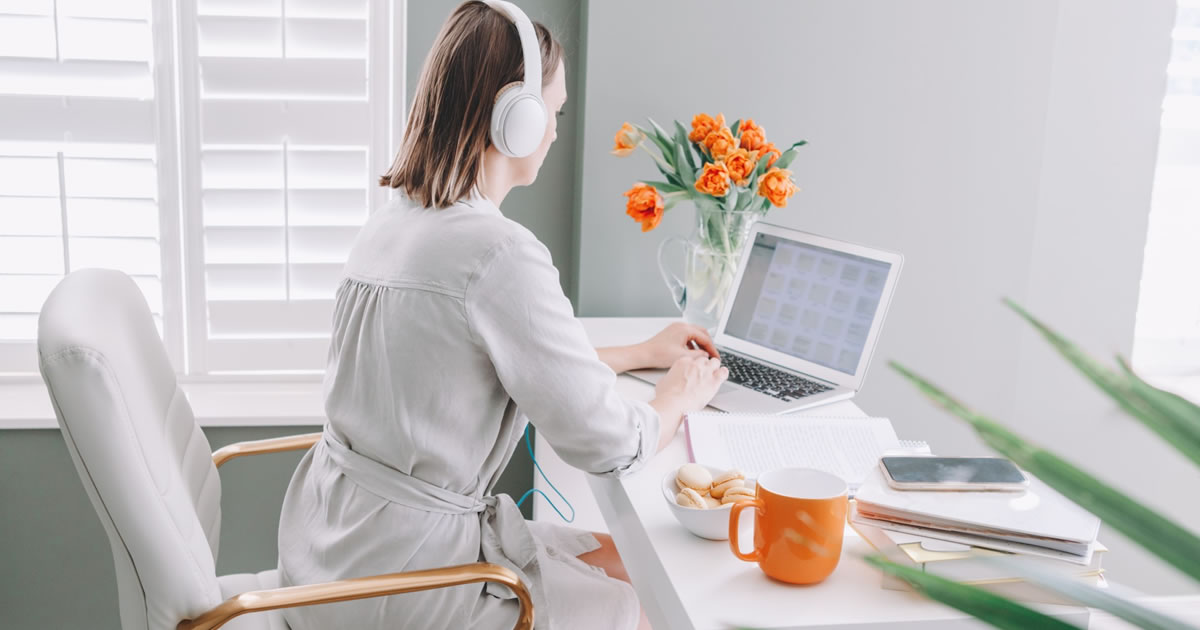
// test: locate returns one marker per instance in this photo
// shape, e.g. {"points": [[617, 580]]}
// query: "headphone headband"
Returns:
{"points": [[529, 44]]}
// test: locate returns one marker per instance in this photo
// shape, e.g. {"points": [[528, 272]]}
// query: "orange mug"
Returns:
{"points": [[800, 517]]}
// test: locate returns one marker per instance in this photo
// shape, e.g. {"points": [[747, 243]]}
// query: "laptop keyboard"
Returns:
{"points": [[768, 380]]}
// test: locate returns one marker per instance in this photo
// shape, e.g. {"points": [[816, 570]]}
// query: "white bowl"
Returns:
{"points": [[712, 523]]}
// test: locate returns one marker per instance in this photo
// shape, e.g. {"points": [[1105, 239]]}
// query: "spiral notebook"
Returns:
{"points": [[849, 447]]}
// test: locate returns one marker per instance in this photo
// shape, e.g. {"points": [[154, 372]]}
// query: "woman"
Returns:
{"points": [[450, 331]]}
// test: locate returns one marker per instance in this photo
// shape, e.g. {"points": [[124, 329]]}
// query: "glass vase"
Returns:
{"points": [[710, 259]]}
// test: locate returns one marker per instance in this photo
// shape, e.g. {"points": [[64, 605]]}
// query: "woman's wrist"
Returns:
{"points": [[624, 358]]}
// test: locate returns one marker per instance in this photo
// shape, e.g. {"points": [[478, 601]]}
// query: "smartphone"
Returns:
{"points": [[952, 473]]}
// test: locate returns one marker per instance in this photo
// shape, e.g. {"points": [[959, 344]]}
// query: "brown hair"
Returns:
{"points": [[477, 53]]}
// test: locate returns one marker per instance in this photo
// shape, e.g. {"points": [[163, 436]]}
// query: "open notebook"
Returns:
{"points": [[848, 447]]}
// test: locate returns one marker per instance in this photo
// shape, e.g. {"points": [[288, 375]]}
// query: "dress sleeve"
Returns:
{"points": [[519, 315]]}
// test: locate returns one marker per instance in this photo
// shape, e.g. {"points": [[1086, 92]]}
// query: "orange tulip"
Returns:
{"points": [[720, 142], [645, 205], [752, 136], [769, 151], [627, 139], [740, 164], [703, 124], [714, 180], [777, 185]]}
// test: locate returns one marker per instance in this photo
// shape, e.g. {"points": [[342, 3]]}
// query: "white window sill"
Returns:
{"points": [[26, 405]]}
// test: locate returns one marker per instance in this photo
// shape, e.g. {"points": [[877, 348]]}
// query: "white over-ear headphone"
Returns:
{"points": [[519, 116]]}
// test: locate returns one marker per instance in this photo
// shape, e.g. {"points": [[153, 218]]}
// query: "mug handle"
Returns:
{"points": [[674, 283], [734, 516]]}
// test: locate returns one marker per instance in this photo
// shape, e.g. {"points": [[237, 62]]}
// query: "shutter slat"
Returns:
{"points": [[104, 39], [238, 121], [267, 355], [82, 119], [31, 254], [19, 357], [244, 245], [300, 79], [26, 36], [30, 216], [244, 281], [327, 207], [315, 281], [134, 256], [120, 79], [263, 318]]}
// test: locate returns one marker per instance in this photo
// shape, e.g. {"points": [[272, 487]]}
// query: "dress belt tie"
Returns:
{"points": [[504, 536]]}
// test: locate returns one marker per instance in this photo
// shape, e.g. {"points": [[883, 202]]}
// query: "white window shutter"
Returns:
{"points": [[80, 169], [287, 116]]}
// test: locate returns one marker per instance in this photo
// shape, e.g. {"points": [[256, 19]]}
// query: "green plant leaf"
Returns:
{"points": [[733, 127], [974, 601], [1182, 413], [798, 144], [661, 134], [664, 187], [1175, 545], [670, 175], [1175, 420], [731, 197], [681, 139], [786, 158], [664, 146], [1090, 596], [687, 176]]}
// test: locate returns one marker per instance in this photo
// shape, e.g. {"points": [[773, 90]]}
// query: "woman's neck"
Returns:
{"points": [[496, 180]]}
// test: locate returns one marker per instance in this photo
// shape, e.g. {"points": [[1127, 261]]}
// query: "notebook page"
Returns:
{"points": [[846, 447]]}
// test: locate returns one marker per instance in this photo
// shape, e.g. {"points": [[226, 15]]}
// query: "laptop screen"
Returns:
{"points": [[810, 302]]}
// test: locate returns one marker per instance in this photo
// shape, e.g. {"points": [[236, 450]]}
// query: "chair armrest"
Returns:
{"points": [[364, 587], [258, 447]]}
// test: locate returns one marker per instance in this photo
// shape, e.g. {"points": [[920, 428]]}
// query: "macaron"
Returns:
{"points": [[702, 492], [712, 503], [694, 476], [725, 481], [737, 493], [690, 498]]}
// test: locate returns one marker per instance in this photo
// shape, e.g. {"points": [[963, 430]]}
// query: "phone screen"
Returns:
{"points": [[952, 469]]}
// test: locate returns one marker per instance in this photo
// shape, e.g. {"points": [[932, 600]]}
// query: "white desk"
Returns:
{"points": [[685, 582]]}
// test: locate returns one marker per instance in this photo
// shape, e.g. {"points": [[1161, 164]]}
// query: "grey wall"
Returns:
{"points": [[58, 571], [1005, 147]]}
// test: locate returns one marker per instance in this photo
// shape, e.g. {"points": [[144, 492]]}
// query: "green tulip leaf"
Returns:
{"points": [[664, 187]]}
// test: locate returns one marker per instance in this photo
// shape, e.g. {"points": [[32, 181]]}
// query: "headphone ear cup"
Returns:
{"points": [[518, 121]]}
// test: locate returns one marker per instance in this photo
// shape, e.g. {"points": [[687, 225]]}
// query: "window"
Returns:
{"points": [[1167, 333], [232, 204]]}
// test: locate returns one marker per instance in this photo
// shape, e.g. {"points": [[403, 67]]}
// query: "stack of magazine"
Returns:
{"points": [[959, 535]]}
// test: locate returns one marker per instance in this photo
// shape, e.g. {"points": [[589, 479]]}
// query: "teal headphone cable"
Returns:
{"points": [[529, 445]]}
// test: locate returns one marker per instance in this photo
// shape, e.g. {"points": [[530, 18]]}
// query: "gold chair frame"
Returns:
{"points": [[355, 588]]}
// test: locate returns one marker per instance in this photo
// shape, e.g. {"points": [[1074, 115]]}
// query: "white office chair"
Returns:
{"points": [[148, 471]]}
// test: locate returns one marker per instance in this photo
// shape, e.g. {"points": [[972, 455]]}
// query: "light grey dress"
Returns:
{"points": [[450, 329]]}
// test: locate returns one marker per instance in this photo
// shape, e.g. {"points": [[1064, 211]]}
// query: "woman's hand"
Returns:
{"points": [[675, 342], [688, 386], [660, 351]]}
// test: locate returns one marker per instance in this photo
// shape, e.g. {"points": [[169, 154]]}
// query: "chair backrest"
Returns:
{"points": [[142, 458]]}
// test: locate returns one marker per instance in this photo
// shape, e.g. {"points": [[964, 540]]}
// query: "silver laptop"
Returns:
{"points": [[802, 322]]}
